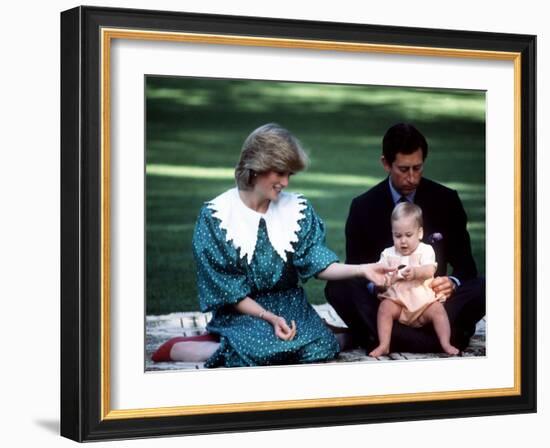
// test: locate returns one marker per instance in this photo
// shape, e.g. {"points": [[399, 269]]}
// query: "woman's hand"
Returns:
{"points": [[282, 330], [376, 273]]}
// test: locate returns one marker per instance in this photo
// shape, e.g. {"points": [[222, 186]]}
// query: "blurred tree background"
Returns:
{"points": [[195, 129]]}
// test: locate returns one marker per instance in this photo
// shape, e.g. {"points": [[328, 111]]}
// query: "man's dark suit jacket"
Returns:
{"points": [[368, 228]]}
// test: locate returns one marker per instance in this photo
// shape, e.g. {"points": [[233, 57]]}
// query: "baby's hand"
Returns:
{"points": [[407, 273]]}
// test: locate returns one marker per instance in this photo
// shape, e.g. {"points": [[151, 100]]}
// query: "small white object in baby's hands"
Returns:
{"points": [[400, 268]]}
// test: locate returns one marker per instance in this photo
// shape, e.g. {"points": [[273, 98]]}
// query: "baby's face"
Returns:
{"points": [[406, 235]]}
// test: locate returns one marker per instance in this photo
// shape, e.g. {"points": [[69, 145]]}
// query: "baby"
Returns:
{"points": [[408, 296]]}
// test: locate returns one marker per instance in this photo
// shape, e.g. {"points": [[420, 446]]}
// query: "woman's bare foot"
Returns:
{"points": [[379, 351], [450, 350]]}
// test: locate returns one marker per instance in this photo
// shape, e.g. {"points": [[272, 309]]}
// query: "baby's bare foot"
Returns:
{"points": [[451, 350], [379, 351]]}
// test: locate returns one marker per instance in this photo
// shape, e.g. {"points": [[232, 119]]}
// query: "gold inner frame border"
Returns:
{"points": [[107, 35]]}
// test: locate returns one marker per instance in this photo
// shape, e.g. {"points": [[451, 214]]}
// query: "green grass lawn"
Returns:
{"points": [[195, 129]]}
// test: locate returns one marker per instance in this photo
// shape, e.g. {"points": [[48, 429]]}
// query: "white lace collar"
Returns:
{"points": [[241, 222]]}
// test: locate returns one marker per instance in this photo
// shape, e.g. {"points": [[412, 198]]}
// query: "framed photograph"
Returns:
{"points": [[155, 107]]}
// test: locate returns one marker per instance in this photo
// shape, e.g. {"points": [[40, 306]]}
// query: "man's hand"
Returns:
{"points": [[443, 287]]}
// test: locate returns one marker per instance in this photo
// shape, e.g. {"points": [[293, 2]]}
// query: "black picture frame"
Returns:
{"points": [[84, 412]]}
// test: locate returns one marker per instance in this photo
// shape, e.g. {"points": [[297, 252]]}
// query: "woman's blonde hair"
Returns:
{"points": [[269, 148], [406, 209]]}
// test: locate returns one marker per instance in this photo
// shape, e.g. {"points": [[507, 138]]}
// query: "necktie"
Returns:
{"points": [[402, 199]]}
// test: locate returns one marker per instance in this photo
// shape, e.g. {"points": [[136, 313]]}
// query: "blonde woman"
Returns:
{"points": [[253, 245]]}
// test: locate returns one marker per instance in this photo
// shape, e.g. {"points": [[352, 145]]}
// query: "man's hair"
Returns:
{"points": [[406, 209], [403, 138], [269, 148]]}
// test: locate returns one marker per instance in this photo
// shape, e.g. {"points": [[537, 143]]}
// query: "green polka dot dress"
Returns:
{"points": [[227, 272]]}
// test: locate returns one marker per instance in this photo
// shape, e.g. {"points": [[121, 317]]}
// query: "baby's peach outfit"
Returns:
{"points": [[414, 296]]}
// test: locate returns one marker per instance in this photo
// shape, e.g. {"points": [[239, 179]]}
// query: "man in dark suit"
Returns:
{"points": [[368, 232]]}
